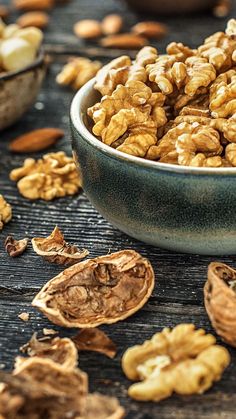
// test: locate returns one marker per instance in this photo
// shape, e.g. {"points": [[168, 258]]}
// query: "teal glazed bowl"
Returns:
{"points": [[184, 209]]}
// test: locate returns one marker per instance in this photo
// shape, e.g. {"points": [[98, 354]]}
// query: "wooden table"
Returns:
{"points": [[178, 295]]}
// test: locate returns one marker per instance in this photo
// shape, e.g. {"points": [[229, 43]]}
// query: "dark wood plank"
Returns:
{"points": [[178, 293]]}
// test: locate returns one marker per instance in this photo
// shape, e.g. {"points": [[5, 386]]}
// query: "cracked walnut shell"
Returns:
{"points": [[21, 398], [182, 360], [55, 249], [97, 291], [51, 380], [5, 212], [53, 176], [60, 350], [220, 300], [15, 247]]}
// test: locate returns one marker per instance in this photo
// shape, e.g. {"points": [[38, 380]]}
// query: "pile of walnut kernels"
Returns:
{"points": [[177, 108]]}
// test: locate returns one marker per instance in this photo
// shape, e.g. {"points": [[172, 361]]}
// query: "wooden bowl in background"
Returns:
{"points": [[18, 91]]}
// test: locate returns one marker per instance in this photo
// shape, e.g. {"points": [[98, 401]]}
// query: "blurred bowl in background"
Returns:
{"points": [[19, 89], [170, 6]]}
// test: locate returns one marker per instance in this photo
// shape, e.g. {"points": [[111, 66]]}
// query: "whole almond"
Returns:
{"points": [[150, 29], [4, 11], [88, 28], [125, 40], [33, 4], [112, 24], [38, 19], [36, 140]]}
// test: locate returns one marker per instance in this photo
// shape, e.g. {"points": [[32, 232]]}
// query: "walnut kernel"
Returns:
{"points": [[182, 360]]}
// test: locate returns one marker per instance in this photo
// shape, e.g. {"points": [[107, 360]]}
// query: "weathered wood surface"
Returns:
{"points": [[178, 295]]}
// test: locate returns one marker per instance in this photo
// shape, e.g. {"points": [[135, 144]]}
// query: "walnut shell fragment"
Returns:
{"points": [[102, 407], [94, 339], [44, 389], [55, 249], [182, 360], [60, 350], [23, 396], [97, 291], [15, 247], [220, 300]]}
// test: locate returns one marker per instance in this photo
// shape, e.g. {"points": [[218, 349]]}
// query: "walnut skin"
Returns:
{"points": [[53, 176], [97, 291], [5, 212], [55, 249], [182, 360], [220, 300]]}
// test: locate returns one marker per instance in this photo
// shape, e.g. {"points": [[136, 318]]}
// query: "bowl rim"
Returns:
{"points": [[37, 62], [77, 115]]}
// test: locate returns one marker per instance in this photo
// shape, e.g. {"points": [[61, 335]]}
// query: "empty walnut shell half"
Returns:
{"points": [[54, 249], [220, 300], [97, 291]]}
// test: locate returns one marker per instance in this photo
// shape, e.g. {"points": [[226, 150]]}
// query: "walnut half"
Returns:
{"points": [[182, 360], [97, 291], [220, 300]]}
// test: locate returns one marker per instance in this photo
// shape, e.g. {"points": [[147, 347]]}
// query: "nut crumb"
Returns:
{"points": [[24, 316], [48, 332]]}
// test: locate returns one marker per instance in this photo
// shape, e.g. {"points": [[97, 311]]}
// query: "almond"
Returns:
{"points": [[38, 19], [150, 29], [33, 4], [36, 140], [88, 28], [112, 24], [4, 11], [125, 40]]}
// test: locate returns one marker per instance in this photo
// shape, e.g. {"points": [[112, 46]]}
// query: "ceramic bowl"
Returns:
{"points": [[170, 6], [179, 208], [18, 91]]}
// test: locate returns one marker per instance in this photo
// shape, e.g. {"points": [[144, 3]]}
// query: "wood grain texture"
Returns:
{"points": [[178, 294]]}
